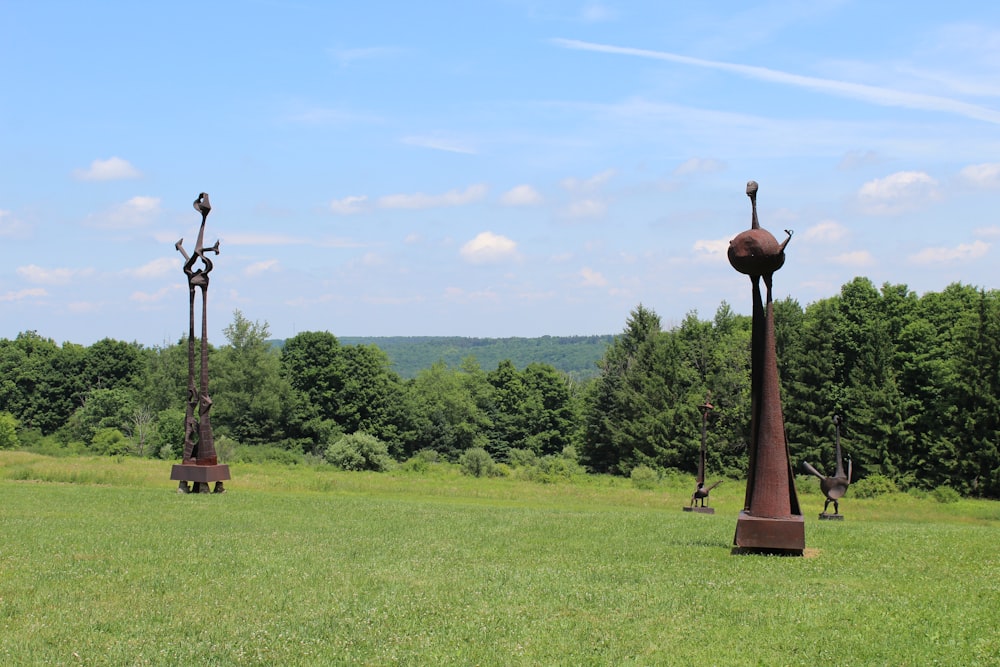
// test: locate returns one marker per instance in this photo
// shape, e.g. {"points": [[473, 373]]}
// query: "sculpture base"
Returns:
{"points": [[758, 534], [700, 510], [830, 517], [187, 472]]}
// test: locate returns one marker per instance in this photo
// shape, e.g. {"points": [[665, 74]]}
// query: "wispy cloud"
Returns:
{"points": [[857, 258], [825, 232], [62, 276], [698, 165], [489, 248], [258, 238], [347, 57], [591, 278], [419, 200], [521, 195], [711, 248], [985, 175], [960, 253], [258, 268], [157, 268], [439, 144], [858, 91], [896, 193], [151, 297], [20, 295], [136, 212], [112, 169], [349, 205], [591, 184], [12, 227], [856, 159]]}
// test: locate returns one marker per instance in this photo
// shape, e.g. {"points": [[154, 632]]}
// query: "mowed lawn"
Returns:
{"points": [[102, 563]]}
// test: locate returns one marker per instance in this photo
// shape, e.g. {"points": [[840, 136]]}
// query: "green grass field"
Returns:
{"points": [[101, 562]]}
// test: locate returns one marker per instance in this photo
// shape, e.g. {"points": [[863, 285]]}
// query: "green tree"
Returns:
{"points": [[253, 403]]}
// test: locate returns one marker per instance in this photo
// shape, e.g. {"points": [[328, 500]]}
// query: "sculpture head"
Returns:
{"points": [[756, 252]]}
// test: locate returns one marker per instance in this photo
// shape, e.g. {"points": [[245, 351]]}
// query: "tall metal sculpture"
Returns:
{"points": [[834, 487], [771, 521], [701, 491], [200, 464]]}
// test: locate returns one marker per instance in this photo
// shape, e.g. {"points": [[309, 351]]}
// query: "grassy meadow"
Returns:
{"points": [[102, 563]]}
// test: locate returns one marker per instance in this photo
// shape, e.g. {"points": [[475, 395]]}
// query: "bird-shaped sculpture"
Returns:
{"points": [[701, 493], [834, 487]]}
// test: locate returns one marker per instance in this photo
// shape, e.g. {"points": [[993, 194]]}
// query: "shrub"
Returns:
{"points": [[225, 447], [359, 451], [807, 485], [644, 477], [264, 454], [8, 431], [873, 486], [109, 441], [421, 461], [477, 462], [945, 494], [521, 458]]}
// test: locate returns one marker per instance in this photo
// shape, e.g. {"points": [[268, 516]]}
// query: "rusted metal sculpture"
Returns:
{"points": [[834, 487], [771, 521], [701, 492], [199, 464]]}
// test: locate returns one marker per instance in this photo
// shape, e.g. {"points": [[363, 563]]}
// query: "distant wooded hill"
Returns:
{"points": [[577, 356]]}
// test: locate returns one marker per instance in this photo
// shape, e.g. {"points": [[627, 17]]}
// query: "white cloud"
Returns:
{"points": [[151, 297], [261, 267], [959, 253], [826, 231], [36, 274], [521, 195], [158, 268], [255, 238], [585, 208], [11, 227], [858, 91], [349, 205], [856, 258], [23, 294], [112, 169], [82, 307], [985, 175], [855, 159], [588, 185], [595, 12], [698, 165], [439, 144], [988, 232], [591, 278], [488, 248], [470, 195], [464, 296], [712, 248], [136, 212], [897, 192]]}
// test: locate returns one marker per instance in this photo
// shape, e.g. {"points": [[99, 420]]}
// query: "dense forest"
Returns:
{"points": [[915, 378], [576, 356]]}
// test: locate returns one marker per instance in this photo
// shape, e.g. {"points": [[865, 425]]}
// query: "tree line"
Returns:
{"points": [[916, 380]]}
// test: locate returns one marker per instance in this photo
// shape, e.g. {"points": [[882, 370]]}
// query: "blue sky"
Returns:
{"points": [[497, 168]]}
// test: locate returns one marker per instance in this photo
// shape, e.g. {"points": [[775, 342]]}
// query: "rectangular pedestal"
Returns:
{"points": [[186, 472], [764, 534], [700, 510]]}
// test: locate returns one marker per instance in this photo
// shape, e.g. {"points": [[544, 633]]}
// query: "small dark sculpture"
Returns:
{"points": [[834, 487], [701, 492], [200, 461], [771, 520]]}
